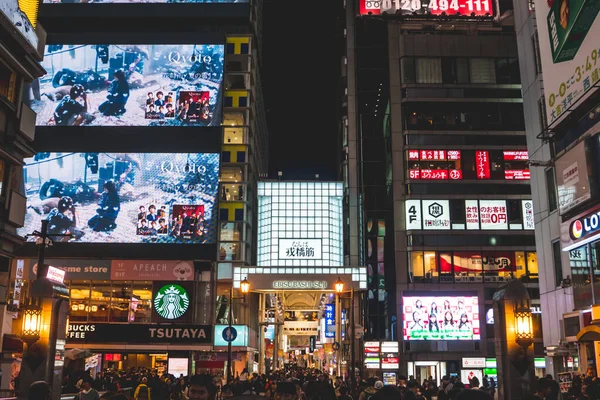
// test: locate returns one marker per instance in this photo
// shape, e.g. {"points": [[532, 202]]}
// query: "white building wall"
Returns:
{"points": [[555, 301]]}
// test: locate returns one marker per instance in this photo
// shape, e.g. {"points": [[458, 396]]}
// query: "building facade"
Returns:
{"points": [[561, 110], [149, 143], [437, 160]]}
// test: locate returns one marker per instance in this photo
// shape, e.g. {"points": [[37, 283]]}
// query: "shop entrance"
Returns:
{"points": [[422, 370]]}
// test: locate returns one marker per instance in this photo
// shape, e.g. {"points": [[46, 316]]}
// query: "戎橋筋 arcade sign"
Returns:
{"points": [[139, 333]]}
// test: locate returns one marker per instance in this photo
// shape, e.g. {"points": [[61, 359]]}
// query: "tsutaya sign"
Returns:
{"points": [[139, 333]]}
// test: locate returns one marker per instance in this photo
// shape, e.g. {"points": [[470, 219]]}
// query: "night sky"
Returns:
{"points": [[301, 81]]}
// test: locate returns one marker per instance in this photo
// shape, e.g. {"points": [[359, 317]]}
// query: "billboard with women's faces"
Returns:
{"points": [[441, 318]]}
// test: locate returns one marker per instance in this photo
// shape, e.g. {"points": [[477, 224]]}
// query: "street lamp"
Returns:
{"points": [[523, 324], [339, 286], [339, 289], [244, 288], [31, 321]]}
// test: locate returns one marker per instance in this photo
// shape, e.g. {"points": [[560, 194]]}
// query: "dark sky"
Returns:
{"points": [[301, 79]]}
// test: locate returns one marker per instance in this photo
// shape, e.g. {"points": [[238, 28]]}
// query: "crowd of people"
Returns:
{"points": [[296, 384]]}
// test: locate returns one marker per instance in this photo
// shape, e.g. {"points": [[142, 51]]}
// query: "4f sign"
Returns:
{"points": [[171, 301], [413, 214]]}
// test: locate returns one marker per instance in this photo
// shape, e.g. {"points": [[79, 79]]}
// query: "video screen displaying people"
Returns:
{"points": [[145, 1], [441, 318], [123, 197], [129, 85]]}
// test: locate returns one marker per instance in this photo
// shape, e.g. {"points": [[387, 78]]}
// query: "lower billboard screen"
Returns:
{"points": [[123, 197], [130, 85], [441, 318]]}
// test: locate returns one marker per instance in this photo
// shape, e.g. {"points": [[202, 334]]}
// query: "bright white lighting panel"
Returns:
{"points": [[300, 211]]}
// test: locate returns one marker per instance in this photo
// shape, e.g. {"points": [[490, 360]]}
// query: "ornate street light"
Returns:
{"points": [[32, 321], [245, 286], [339, 285], [523, 324]]}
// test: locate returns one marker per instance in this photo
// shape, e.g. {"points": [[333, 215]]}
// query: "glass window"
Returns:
{"points": [[446, 265], [234, 136], [557, 254], [230, 48], [228, 101], [536, 53], [233, 118], [496, 164], [245, 48], [120, 301], [232, 192], [483, 70], [430, 264], [100, 301], [8, 83], [448, 70], [551, 188], [520, 268], [458, 214], [140, 304], [408, 70], [462, 70], [231, 231], [429, 70], [243, 101], [515, 213], [80, 301], [532, 264], [416, 268], [230, 251], [232, 174]]}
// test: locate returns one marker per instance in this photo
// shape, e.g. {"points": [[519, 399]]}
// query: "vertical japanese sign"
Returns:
{"points": [[329, 321], [472, 214], [528, 218], [482, 160]]}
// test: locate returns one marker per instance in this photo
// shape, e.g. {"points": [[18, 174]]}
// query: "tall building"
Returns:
{"points": [[437, 175], [22, 40], [561, 103], [150, 138]]}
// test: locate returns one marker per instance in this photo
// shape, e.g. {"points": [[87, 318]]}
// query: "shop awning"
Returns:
{"points": [[590, 333]]}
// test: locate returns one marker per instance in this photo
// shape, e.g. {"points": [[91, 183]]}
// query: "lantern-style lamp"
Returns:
{"points": [[245, 286], [523, 324], [31, 322], [339, 285]]}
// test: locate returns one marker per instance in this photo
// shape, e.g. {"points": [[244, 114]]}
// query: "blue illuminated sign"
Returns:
{"points": [[329, 321]]}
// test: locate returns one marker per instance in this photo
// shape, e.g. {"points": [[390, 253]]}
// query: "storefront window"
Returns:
{"points": [[8, 83], [520, 264], [532, 264], [233, 118], [100, 301], [121, 297], [140, 305], [230, 251], [232, 192], [231, 231], [80, 301], [232, 174], [234, 136], [416, 269]]}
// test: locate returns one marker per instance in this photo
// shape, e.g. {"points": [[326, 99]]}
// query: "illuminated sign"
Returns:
{"points": [[482, 164], [582, 227], [287, 211], [427, 7], [300, 249], [240, 340], [123, 197], [55, 274], [171, 301], [517, 174], [139, 333], [424, 172], [515, 155], [473, 362], [492, 214], [479, 215], [329, 321], [309, 285]]}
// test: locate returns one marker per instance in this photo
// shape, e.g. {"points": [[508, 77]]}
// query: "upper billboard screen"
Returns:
{"points": [[568, 31], [130, 85], [441, 318], [430, 7], [144, 1], [123, 197]]}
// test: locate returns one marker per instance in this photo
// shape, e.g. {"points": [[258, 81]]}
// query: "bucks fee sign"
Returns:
{"points": [[139, 333]]}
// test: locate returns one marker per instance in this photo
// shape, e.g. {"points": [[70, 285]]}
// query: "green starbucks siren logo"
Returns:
{"points": [[171, 301]]}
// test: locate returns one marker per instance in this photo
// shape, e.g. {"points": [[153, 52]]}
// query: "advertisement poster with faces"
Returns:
{"points": [[123, 197], [129, 85], [441, 318]]}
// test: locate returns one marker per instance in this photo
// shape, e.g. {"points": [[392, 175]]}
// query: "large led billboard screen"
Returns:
{"points": [[130, 85], [568, 32], [441, 318], [123, 197], [428, 7], [145, 1]]}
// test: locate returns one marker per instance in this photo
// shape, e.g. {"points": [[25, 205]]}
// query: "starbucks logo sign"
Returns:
{"points": [[171, 301]]}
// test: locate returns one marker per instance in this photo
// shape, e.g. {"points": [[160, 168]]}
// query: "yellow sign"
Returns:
{"points": [[30, 9]]}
